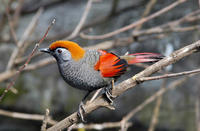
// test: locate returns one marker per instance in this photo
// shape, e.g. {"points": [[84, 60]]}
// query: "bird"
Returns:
{"points": [[92, 69]]}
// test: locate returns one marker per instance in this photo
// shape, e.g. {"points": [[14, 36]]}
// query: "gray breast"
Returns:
{"points": [[81, 74]]}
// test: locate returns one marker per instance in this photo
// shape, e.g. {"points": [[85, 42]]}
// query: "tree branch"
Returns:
{"points": [[16, 73], [23, 39], [45, 120], [134, 24], [127, 84], [142, 79], [150, 99], [25, 116], [82, 21]]}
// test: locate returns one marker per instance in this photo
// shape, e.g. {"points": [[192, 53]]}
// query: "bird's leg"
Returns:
{"points": [[108, 93], [81, 108]]}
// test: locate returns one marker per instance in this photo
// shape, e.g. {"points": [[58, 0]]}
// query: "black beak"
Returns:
{"points": [[45, 50]]}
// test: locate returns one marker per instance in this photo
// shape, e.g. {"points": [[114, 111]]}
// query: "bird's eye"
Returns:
{"points": [[59, 51]]}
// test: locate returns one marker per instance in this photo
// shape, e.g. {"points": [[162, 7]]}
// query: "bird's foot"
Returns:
{"points": [[81, 111], [108, 95]]}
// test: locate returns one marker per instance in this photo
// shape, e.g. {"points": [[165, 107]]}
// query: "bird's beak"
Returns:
{"points": [[45, 50]]}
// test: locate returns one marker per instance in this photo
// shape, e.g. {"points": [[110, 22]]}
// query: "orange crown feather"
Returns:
{"points": [[76, 51]]}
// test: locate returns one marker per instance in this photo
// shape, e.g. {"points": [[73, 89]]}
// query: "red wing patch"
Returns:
{"points": [[110, 65]]}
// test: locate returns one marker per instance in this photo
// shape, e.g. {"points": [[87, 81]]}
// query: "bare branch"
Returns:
{"points": [[147, 10], [154, 119], [157, 94], [10, 22], [95, 95], [49, 120], [134, 24], [27, 61], [142, 79], [82, 21], [23, 39], [199, 3], [26, 116], [101, 126], [17, 12], [45, 120], [129, 83]]}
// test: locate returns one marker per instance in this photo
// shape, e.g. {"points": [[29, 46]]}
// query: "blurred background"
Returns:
{"points": [[40, 86]]}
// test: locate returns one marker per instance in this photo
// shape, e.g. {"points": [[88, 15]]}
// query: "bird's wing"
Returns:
{"points": [[110, 65]]}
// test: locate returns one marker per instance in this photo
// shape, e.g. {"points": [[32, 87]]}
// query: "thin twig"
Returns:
{"points": [[90, 126], [156, 111], [134, 24], [147, 10], [199, 3], [100, 126], [17, 12], [95, 95], [23, 58], [159, 30], [45, 121], [142, 79], [23, 39], [157, 94], [38, 117], [27, 61], [10, 22], [169, 26], [95, 22], [26, 116], [165, 28], [82, 21], [103, 45]]}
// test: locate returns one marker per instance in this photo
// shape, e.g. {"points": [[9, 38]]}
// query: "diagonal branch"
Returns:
{"points": [[134, 24], [27, 61], [82, 21], [129, 83], [156, 111], [147, 10], [150, 99], [21, 42]]}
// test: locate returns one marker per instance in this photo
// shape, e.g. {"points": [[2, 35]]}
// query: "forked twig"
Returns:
{"points": [[45, 120], [27, 61], [24, 37], [134, 24], [26, 116], [157, 94]]}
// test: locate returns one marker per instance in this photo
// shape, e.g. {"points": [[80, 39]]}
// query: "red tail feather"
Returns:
{"points": [[144, 57]]}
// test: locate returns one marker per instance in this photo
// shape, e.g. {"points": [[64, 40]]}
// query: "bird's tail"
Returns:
{"points": [[142, 57]]}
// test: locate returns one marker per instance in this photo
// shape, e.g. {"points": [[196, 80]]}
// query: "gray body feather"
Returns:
{"points": [[81, 74]]}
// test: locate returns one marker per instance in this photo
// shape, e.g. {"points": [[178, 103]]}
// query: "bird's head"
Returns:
{"points": [[65, 51]]}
